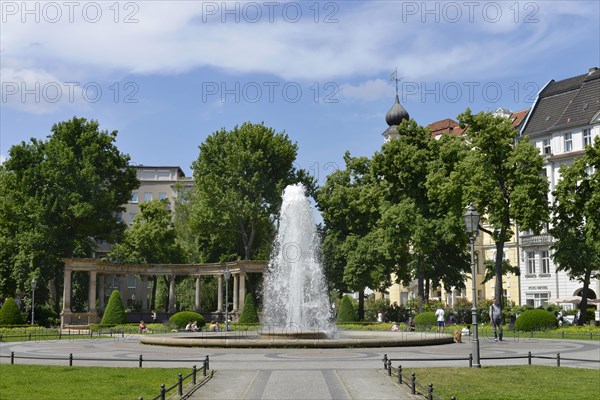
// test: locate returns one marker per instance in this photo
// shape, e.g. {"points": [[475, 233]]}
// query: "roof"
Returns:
{"points": [[565, 104], [180, 172], [518, 117], [444, 126]]}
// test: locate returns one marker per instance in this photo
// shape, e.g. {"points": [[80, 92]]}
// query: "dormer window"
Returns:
{"points": [[568, 142]]}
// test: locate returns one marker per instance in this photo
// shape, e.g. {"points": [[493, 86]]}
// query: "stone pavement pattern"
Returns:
{"points": [[320, 384]]}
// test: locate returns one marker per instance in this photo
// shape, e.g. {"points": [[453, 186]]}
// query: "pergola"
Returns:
{"points": [[99, 268]]}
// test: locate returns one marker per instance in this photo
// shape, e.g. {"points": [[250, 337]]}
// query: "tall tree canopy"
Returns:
{"points": [[576, 220], [502, 177], [238, 180], [58, 196]]}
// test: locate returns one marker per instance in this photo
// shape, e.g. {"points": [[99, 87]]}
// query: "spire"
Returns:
{"points": [[396, 113]]}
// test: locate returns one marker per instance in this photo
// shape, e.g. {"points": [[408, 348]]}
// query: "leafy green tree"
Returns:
{"points": [[58, 197], [249, 314], [238, 180], [346, 312], [490, 270], [576, 220], [10, 314], [150, 240], [502, 177], [114, 314]]}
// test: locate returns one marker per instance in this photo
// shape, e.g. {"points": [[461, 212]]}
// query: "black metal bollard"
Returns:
{"points": [[389, 367], [207, 363], [12, 357], [430, 391], [400, 374], [413, 383], [162, 392], [194, 372], [180, 384], [558, 359], [470, 360], [205, 367], [141, 360], [384, 361], [529, 358], [70, 359]]}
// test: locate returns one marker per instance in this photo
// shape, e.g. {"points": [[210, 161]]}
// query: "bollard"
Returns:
{"points": [[194, 371], [400, 374], [12, 357], [563, 334], [385, 361], [558, 359], [70, 359], [430, 391], [180, 384], [207, 363], [529, 358], [389, 367], [162, 392], [413, 383], [204, 368], [141, 360], [471, 360]]}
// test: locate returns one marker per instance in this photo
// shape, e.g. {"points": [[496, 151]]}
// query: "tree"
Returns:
{"points": [[238, 180], [502, 177], [249, 314], [576, 220], [150, 240], [114, 314], [346, 311], [58, 197], [10, 314]]}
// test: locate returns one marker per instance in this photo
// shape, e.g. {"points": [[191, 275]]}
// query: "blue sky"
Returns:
{"points": [[168, 74]]}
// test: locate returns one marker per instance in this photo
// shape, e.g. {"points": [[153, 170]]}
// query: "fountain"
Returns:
{"points": [[296, 300]]}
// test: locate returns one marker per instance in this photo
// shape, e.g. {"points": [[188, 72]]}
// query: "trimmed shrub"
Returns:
{"points": [[425, 320], [249, 314], [346, 311], [181, 319], [535, 320], [10, 314], [114, 313]]}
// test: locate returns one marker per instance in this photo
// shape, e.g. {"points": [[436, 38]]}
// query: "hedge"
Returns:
{"points": [[249, 314], [114, 314], [425, 319], [346, 312], [181, 319], [535, 320]]}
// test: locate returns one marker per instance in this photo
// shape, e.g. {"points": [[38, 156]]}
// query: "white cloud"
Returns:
{"points": [[2, 159], [370, 90]]}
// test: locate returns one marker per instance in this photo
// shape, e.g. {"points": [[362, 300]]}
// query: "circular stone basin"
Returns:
{"points": [[293, 335], [256, 339]]}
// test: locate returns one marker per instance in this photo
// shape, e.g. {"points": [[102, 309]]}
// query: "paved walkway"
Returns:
{"points": [[354, 373]]}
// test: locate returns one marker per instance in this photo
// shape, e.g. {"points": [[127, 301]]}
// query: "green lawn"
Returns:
{"points": [[522, 382], [89, 383]]}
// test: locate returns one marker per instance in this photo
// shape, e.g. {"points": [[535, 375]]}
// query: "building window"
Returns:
{"points": [[568, 141], [531, 262], [131, 217], [545, 262], [134, 197], [537, 299], [162, 195], [547, 149], [131, 281], [148, 196], [587, 137], [115, 282]]}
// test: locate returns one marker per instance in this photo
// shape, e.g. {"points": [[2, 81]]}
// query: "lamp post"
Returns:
{"points": [[33, 285], [227, 275], [133, 302], [471, 217]]}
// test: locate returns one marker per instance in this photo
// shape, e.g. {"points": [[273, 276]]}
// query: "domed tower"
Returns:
{"points": [[394, 117]]}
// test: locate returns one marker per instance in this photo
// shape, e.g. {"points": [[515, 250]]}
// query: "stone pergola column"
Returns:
{"points": [[172, 294], [123, 289], [101, 291], [67, 291], [220, 293], [242, 295], [197, 302], [235, 292], [92, 293], [144, 293]]}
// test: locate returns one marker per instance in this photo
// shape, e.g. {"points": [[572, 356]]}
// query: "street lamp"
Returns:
{"points": [[471, 217], [33, 285], [227, 275], [133, 302]]}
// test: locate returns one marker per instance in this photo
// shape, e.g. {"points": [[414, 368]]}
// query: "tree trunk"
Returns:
{"points": [[499, 292], [420, 287], [583, 305], [361, 305]]}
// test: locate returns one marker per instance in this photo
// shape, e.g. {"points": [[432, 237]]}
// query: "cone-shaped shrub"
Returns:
{"points": [[346, 312], [181, 319], [249, 314], [10, 314], [114, 314]]}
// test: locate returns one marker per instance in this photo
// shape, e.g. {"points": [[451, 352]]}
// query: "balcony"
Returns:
{"points": [[536, 240]]}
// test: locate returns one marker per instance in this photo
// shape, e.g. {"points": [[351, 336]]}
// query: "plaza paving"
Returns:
{"points": [[292, 373]]}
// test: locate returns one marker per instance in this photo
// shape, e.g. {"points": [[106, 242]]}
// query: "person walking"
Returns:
{"points": [[439, 313], [496, 319]]}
